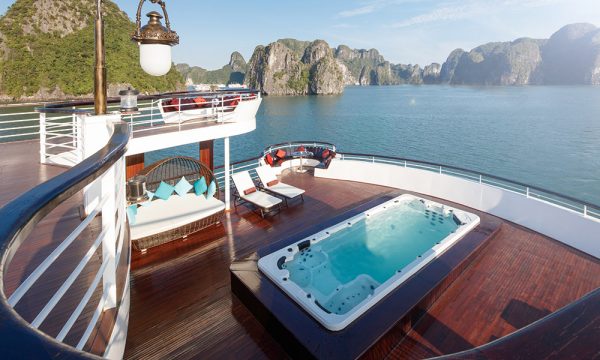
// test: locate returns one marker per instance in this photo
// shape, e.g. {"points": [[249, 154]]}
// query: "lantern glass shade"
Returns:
{"points": [[129, 100], [155, 59]]}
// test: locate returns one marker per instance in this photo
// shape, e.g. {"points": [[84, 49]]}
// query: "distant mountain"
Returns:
{"points": [[294, 67], [570, 57], [47, 51], [234, 72]]}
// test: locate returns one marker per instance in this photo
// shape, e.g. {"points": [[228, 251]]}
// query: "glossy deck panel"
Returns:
{"points": [[182, 303]]}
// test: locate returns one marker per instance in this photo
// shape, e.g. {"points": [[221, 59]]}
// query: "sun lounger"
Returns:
{"points": [[270, 183], [247, 192]]}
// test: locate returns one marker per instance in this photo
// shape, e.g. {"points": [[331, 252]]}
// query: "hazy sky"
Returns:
{"points": [[404, 31]]}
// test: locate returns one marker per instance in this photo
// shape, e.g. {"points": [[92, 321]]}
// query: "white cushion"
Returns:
{"points": [[165, 215], [286, 190], [261, 199], [266, 175]]}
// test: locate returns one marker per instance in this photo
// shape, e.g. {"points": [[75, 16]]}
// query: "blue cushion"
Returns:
{"points": [[200, 186], [164, 191], [212, 189], [150, 197], [183, 186], [131, 213]]}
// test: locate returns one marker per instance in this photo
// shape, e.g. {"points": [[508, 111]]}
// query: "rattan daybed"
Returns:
{"points": [[163, 221]]}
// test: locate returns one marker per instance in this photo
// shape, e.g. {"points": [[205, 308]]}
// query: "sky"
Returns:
{"points": [[404, 31]]}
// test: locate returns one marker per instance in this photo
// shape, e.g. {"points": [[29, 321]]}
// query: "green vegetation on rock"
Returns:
{"points": [[48, 47]]}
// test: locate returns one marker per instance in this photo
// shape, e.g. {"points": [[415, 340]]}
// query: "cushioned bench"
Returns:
{"points": [[320, 159], [160, 221]]}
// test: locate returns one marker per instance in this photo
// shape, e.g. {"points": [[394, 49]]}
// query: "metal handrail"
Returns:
{"points": [[18, 338], [535, 192], [531, 191]]}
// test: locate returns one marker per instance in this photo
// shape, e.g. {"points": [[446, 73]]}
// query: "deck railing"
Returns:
{"points": [[587, 209], [104, 172], [553, 198]]}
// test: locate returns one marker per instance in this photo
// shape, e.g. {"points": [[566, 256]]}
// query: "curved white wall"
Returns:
{"points": [[567, 226]]}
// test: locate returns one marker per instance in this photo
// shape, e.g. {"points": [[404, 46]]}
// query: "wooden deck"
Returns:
{"points": [[20, 171], [182, 305], [181, 300]]}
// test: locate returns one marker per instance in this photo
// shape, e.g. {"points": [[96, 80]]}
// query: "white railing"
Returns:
{"points": [[547, 196], [110, 213], [155, 115]]}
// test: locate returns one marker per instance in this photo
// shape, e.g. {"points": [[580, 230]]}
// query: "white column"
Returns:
{"points": [[42, 138], [227, 176], [109, 242]]}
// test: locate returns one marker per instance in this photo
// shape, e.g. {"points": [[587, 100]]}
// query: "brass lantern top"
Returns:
{"points": [[154, 32]]}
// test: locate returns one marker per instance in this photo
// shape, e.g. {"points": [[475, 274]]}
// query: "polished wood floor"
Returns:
{"points": [[21, 171], [182, 304]]}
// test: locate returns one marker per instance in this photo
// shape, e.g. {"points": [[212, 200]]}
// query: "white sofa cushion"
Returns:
{"points": [[165, 215]]}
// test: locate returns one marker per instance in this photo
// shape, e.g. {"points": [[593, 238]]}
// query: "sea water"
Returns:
{"points": [[546, 136]]}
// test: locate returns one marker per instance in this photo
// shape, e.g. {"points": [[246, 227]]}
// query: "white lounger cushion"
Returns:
{"points": [[286, 190], [243, 182], [261, 199], [267, 174], [165, 215]]}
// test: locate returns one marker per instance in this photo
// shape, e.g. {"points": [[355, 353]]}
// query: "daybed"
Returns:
{"points": [[321, 156], [160, 221]]}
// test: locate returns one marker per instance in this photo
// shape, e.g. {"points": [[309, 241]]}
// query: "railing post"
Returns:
{"points": [[480, 179], [405, 163], [109, 242], [42, 138], [440, 170], [527, 190], [74, 129], [227, 175], [585, 212]]}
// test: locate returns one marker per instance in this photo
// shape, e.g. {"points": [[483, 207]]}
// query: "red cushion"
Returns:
{"points": [[249, 191], [274, 182], [301, 148], [269, 159], [325, 154], [281, 153], [174, 104], [199, 100]]}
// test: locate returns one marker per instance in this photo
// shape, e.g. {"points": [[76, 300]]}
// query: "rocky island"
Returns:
{"points": [[38, 40]]}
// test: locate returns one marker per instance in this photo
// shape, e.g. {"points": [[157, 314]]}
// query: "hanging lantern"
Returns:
{"points": [[155, 41]]}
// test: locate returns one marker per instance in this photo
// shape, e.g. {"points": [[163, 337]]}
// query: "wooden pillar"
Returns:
{"points": [[135, 164], [207, 154]]}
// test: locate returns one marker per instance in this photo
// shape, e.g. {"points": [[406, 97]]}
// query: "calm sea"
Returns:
{"points": [[543, 136]]}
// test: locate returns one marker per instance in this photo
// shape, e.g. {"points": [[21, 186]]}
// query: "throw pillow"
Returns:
{"points": [[131, 213], [280, 153], [164, 191], [325, 154], [271, 183], [212, 190], [150, 197], [269, 159], [183, 186], [249, 191], [200, 186]]}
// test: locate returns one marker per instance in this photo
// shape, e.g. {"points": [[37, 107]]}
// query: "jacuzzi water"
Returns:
{"points": [[340, 272]]}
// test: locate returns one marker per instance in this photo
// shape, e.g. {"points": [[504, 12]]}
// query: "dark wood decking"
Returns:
{"points": [[182, 305], [20, 169]]}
